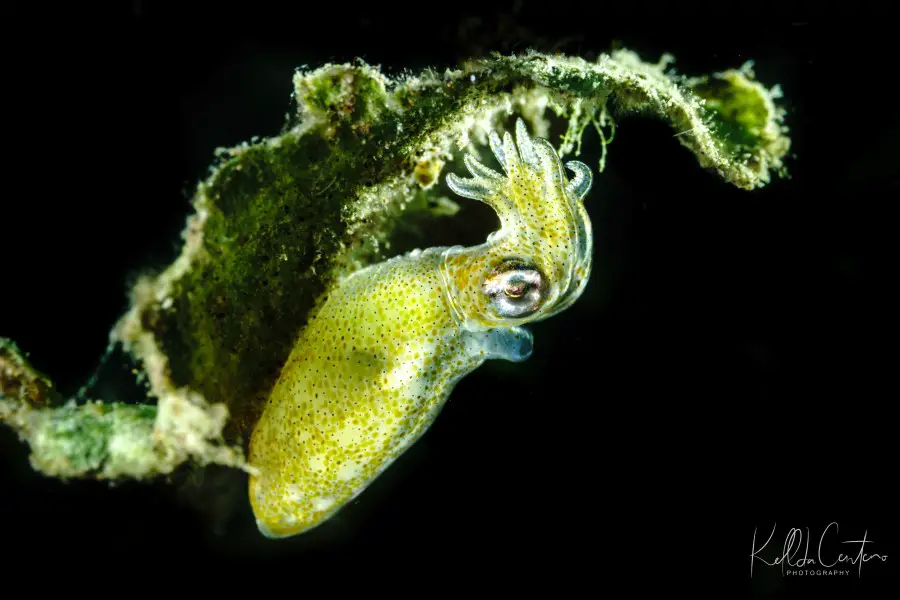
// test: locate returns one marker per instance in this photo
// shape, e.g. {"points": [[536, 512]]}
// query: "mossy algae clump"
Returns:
{"points": [[278, 220]]}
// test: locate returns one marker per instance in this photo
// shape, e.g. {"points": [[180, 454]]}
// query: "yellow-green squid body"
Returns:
{"points": [[373, 368]]}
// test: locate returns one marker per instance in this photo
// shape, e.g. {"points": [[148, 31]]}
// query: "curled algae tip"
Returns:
{"points": [[373, 368]]}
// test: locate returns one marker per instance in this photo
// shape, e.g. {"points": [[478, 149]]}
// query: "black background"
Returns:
{"points": [[729, 366]]}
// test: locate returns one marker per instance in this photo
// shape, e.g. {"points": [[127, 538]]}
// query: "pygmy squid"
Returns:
{"points": [[378, 360]]}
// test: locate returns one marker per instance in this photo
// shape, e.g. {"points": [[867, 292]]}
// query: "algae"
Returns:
{"points": [[278, 220]]}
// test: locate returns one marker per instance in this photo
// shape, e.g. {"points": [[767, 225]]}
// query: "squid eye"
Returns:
{"points": [[515, 290]]}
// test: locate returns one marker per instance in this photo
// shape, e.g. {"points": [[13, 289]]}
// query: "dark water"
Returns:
{"points": [[729, 367]]}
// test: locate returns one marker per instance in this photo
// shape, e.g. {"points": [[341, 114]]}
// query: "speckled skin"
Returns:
{"points": [[373, 368]]}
